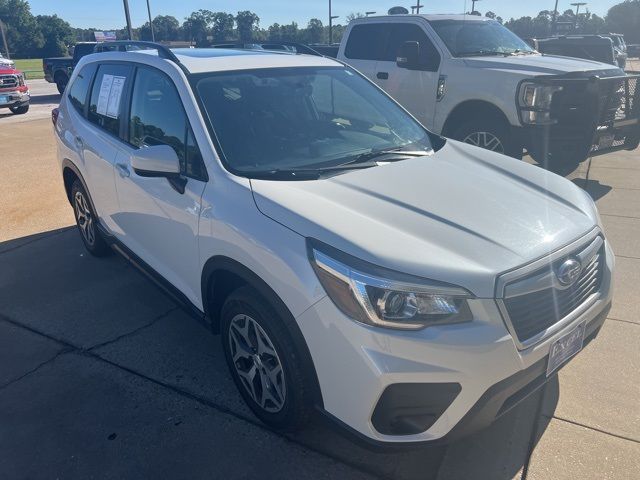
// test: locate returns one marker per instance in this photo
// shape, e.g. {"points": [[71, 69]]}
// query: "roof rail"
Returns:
{"points": [[300, 47], [133, 45]]}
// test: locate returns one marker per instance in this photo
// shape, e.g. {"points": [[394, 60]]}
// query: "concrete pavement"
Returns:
{"points": [[104, 377], [44, 98]]}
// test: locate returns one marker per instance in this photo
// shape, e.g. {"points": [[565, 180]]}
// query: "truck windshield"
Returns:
{"points": [[479, 37], [300, 122]]}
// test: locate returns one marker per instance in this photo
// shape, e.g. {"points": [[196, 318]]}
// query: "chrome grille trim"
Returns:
{"points": [[537, 284], [9, 81]]}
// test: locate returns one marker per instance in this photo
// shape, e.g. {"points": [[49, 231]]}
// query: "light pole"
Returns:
{"points": [[153, 37], [417, 7], [577, 5], [128, 17], [554, 23], [473, 5], [331, 18], [4, 40]]}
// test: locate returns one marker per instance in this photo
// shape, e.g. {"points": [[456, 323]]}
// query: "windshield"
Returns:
{"points": [[474, 37], [303, 118]]}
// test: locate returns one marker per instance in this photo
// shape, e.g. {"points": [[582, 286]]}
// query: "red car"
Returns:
{"points": [[14, 92]]}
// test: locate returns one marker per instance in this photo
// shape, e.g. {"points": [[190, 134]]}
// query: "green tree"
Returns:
{"points": [[247, 24], [222, 26], [625, 18], [57, 35], [197, 25], [314, 32], [165, 28], [23, 35]]}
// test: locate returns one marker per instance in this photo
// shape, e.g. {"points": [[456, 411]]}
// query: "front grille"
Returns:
{"points": [[532, 313], [8, 81]]}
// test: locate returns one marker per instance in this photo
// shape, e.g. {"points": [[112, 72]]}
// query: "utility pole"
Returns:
{"points": [[153, 37], [577, 5], [128, 17], [417, 7], [554, 23], [4, 40], [473, 5], [331, 18]]}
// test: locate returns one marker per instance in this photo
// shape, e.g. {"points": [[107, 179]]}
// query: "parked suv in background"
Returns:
{"points": [[58, 69], [472, 79], [409, 287]]}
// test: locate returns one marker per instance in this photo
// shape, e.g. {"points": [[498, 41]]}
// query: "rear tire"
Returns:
{"points": [[490, 134], [61, 82], [264, 362], [86, 221], [21, 110]]}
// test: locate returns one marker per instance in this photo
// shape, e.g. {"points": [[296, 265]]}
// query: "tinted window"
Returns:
{"points": [[107, 97], [408, 32], [79, 90], [299, 118], [158, 118], [367, 42]]}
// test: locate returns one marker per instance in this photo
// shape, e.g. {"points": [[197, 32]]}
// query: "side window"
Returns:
{"points": [[409, 32], [79, 90], [366, 41], [158, 118], [107, 97]]}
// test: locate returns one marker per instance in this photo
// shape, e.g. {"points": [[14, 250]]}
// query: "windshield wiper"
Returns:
{"points": [[483, 53], [396, 153]]}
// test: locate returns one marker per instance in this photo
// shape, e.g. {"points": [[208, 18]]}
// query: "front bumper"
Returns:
{"points": [[355, 364], [14, 99]]}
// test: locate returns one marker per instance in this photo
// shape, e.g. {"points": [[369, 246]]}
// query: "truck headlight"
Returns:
{"points": [[534, 101], [383, 298]]}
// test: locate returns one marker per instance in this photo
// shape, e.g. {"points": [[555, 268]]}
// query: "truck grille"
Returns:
{"points": [[533, 312], [8, 81]]}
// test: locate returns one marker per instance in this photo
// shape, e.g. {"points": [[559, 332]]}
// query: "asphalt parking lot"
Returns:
{"points": [[102, 376]]}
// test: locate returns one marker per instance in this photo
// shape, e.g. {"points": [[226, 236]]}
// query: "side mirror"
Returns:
{"points": [[156, 161], [409, 55]]}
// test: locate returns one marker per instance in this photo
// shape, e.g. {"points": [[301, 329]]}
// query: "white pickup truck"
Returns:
{"points": [[470, 78]]}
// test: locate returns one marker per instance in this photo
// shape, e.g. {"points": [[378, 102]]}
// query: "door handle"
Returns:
{"points": [[79, 143], [382, 75], [123, 170]]}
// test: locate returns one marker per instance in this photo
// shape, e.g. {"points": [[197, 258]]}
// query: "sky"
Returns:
{"points": [[107, 14]]}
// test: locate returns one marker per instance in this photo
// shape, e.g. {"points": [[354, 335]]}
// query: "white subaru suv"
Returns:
{"points": [[408, 287]]}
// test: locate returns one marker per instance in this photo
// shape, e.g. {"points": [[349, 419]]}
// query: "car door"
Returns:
{"points": [[365, 46], [157, 220], [415, 89], [98, 138]]}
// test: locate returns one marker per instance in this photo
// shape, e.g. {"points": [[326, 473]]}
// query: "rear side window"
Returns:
{"points": [[108, 97], [158, 118], [79, 91], [410, 32], [367, 41]]}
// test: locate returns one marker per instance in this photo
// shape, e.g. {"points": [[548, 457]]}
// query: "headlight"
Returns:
{"points": [[534, 101], [383, 298]]}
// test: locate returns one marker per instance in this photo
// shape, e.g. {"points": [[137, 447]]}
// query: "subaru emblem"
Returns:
{"points": [[568, 271]]}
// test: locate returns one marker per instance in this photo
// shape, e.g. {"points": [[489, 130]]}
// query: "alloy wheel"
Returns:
{"points": [[84, 218], [486, 140], [257, 363]]}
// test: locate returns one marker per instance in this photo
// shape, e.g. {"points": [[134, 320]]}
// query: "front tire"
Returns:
{"points": [[21, 110], [86, 222], [264, 362], [61, 83], [489, 134]]}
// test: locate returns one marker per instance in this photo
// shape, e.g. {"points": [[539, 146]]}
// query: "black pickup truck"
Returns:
{"points": [[58, 69]]}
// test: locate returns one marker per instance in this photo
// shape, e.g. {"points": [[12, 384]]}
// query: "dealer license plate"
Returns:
{"points": [[565, 347]]}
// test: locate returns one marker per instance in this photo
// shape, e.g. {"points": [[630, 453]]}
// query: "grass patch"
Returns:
{"points": [[32, 67]]}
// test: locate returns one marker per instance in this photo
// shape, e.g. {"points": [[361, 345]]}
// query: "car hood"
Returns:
{"points": [[462, 215], [533, 65]]}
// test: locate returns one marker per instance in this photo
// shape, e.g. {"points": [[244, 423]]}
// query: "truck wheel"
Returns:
{"points": [[490, 135], [61, 82], [22, 109], [264, 362]]}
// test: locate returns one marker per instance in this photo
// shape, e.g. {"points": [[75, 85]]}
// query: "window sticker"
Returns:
{"points": [[111, 90]]}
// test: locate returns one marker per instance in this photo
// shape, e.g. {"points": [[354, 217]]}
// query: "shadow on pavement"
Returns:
{"points": [[593, 187], [126, 336], [42, 99]]}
